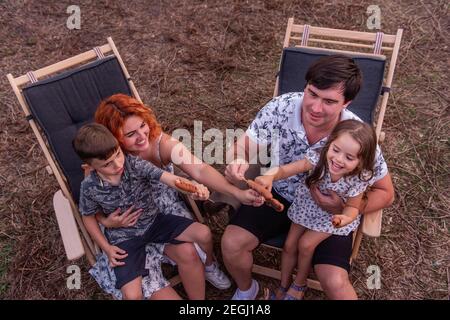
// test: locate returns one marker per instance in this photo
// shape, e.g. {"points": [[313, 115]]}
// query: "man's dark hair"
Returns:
{"points": [[94, 141], [335, 70]]}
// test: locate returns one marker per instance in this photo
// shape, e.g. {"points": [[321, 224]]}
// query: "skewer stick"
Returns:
{"points": [[268, 197]]}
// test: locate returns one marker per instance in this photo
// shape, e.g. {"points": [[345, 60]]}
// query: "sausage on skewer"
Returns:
{"points": [[274, 203], [260, 189], [270, 200], [185, 186]]}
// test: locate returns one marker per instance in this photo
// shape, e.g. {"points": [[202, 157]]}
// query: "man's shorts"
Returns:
{"points": [[164, 229], [265, 223]]}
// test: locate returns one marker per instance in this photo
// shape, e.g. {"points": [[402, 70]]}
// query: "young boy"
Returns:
{"points": [[119, 180]]}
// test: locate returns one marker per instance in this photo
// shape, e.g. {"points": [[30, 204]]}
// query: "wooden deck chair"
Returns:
{"points": [[57, 100], [302, 45]]}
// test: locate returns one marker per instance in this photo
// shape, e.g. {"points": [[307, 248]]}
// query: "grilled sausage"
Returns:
{"points": [[185, 186], [274, 203], [260, 189]]}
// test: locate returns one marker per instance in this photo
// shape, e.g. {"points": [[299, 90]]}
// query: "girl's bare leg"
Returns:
{"points": [[306, 246], [289, 257]]}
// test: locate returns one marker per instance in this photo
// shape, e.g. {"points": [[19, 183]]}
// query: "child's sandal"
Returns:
{"points": [[297, 288]]}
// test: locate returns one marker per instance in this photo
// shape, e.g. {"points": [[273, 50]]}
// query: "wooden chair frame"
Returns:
{"points": [[363, 42], [67, 214]]}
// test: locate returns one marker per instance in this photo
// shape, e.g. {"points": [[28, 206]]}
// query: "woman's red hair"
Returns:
{"points": [[113, 111]]}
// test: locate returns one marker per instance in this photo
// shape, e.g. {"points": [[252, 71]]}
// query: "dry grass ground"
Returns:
{"points": [[215, 61]]}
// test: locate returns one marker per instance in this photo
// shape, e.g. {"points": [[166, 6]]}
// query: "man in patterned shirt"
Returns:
{"points": [[289, 125]]}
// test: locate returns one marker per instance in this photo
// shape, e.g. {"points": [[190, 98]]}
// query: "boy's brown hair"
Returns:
{"points": [[94, 141]]}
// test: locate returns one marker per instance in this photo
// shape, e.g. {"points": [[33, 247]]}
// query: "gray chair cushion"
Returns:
{"points": [[63, 103], [295, 63]]}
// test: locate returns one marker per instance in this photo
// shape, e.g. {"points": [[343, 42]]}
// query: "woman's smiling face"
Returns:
{"points": [[135, 134]]}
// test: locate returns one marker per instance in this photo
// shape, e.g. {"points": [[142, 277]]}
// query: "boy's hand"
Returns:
{"points": [[124, 220], [114, 255], [250, 197], [265, 181], [202, 192]]}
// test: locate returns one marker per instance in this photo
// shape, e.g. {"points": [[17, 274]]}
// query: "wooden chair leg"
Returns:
{"points": [[276, 274], [356, 243]]}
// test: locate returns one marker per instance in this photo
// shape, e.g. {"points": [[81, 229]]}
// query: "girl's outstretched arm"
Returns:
{"points": [[350, 212], [291, 169], [283, 172]]}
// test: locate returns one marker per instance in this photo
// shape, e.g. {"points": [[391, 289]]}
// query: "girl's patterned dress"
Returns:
{"points": [[304, 210]]}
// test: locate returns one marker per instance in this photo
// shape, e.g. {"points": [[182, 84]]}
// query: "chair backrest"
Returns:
{"points": [[65, 98], [372, 51], [62, 104], [294, 65]]}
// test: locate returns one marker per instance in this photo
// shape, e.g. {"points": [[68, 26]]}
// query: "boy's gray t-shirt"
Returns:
{"points": [[134, 189]]}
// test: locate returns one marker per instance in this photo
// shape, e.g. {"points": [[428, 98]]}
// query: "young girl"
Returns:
{"points": [[345, 166]]}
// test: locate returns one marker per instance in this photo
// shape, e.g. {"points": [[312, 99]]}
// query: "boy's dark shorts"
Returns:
{"points": [[265, 223], [164, 229]]}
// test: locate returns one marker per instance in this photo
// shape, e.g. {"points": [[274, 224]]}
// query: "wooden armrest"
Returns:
{"points": [[371, 225], [67, 227], [196, 211]]}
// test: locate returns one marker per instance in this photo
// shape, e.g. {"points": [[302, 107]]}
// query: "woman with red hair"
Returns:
{"points": [[139, 133]]}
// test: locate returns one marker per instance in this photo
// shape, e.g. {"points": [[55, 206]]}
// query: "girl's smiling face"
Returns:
{"points": [[343, 155]]}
